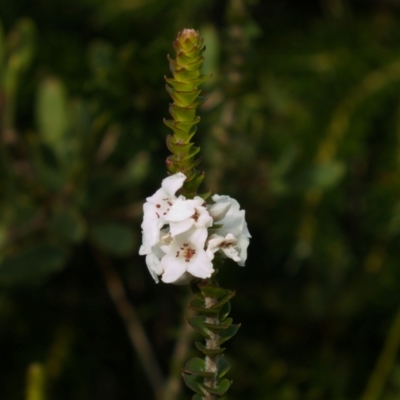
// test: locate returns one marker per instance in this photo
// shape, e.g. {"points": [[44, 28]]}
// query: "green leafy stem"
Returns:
{"points": [[184, 91], [206, 376]]}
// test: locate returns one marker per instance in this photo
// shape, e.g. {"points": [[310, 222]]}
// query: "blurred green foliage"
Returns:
{"points": [[302, 126]]}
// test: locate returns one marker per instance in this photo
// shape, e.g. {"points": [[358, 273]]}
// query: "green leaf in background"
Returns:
{"points": [[52, 114], [320, 177], [32, 265], [113, 238], [35, 388], [70, 225], [212, 61], [2, 48], [326, 176], [21, 44], [136, 170]]}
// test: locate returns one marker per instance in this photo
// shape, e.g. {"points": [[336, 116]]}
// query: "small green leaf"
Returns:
{"points": [[113, 238], [32, 264], [225, 310], [200, 346], [177, 147], [209, 290], [197, 323], [194, 382], [190, 85], [221, 389], [182, 113], [205, 196], [223, 301], [198, 305], [222, 326], [223, 366], [196, 366], [183, 98], [227, 334]]}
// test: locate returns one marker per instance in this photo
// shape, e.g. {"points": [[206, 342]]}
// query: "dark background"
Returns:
{"points": [[302, 126]]}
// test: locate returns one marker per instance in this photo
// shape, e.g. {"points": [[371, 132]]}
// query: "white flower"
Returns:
{"points": [[228, 245], [154, 264], [185, 214], [181, 236], [219, 210], [185, 255], [156, 209], [233, 222]]}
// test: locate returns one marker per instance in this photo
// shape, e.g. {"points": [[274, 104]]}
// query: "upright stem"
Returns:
{"points": [[211, 344], [133, 325], [206, 376], [385, 362]]}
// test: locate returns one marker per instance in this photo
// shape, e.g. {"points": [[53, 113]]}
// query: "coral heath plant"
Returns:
{"points": [[185, 235]]}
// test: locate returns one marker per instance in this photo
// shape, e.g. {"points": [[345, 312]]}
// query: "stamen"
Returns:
{"points": [[195, 216]]}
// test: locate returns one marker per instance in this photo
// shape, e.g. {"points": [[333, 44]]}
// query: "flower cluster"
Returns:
{"points": [[181, 236]]}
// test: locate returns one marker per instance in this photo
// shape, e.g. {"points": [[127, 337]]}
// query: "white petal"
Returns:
{"points": [[232, 253], [219, 210], [200, 266], [180, 227], [203, 218], [184, 279], [243, 244], [154, 266], [198, 237], [173, 183], [174, 268], [180, 210], [235, 206], [157, 196]]}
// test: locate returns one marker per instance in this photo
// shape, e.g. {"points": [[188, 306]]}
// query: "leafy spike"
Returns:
{"points": [[184, 91]]}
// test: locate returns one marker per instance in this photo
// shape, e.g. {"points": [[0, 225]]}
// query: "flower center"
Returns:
{"points": [[196, 216], [186, 252], [164, 207]]}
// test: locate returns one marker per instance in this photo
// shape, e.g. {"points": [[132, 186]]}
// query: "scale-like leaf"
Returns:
{"points": [[223, 366], [217, 328], [227, 334], [194, 382], [221, 389], [225, 310], [196, 366], [198, 305], [209, 290], [197, 323], [209, 352]]}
